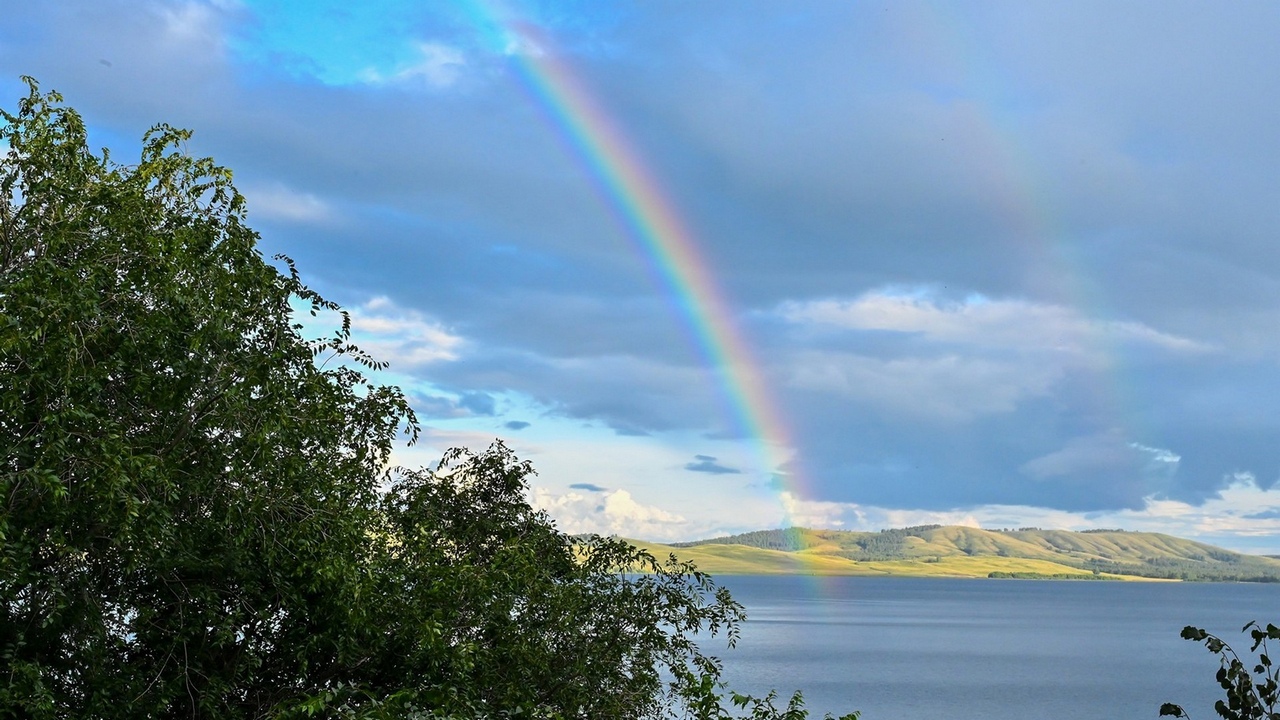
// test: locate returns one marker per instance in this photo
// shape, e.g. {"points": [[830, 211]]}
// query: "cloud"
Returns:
{"points": [[660, 396], [616, 513], [436, 406], [1243, 516], [478, 403], [1106, 452], [278, 202], [408, 340], [192, 25], [854, 516], [463, 405], [589, 487], [917, 355], [437, 65], [516, 425], [1009, 279], [949, 388], [1007, 324], [950, 402], [708, 464]]}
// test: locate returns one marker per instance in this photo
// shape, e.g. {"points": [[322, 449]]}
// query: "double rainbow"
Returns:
{"points": [[660, 236]]}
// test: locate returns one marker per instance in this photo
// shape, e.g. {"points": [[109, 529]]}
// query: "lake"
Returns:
{"points": [[926, 649]]}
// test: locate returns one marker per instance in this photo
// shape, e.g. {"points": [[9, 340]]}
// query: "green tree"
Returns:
{"points": [[1249, 696], [197, 518], [186, 495]]}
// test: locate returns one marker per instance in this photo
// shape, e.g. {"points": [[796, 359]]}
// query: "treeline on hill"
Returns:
{"points": [[884, 545], [1235, 570], [1151, 555], [1046, 576]]}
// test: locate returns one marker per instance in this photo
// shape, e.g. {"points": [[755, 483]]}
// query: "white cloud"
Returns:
{"points": [[611, 513], [402, 337], [969, 359], [853, 516], [438, 65], [660, 500], [1243, 516], [188, 24], [279, 202], [979, 321]]}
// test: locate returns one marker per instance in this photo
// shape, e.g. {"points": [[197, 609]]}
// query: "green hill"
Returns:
{"points": [[953, 551]]}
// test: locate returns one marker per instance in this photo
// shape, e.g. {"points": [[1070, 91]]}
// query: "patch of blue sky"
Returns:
{"points": [[511, 410], [1154, 146], [336, 42]]}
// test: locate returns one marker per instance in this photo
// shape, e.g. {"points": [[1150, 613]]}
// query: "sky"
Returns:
{"points": [[726, 266]]}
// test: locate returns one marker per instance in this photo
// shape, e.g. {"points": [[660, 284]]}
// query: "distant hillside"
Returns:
{"points": [[720, 559], [972, 552]]}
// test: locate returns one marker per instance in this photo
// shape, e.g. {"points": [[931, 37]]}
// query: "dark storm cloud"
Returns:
{"points": [[1098, 163]]}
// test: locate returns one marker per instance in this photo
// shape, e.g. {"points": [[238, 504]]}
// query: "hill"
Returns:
{"points": [[953, 551]]}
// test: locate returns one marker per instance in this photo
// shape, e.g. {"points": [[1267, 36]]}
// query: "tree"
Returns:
{"points": [[197, 518], [1253, 696]]}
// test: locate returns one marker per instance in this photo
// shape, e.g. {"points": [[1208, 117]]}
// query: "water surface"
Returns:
{"points": [[926, 649]]}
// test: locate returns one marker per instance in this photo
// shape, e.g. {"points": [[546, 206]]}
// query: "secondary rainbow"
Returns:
{"points": [[661, 236]]}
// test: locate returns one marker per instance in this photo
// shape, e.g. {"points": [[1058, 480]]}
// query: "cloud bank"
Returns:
{"points": [[1018, 258]]}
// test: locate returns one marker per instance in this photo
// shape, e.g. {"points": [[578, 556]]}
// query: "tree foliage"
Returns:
{"points": [[197, 514], [1249, 696]]}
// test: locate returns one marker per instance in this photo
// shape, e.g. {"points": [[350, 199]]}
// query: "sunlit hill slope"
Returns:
{"points": [[953, 551]]}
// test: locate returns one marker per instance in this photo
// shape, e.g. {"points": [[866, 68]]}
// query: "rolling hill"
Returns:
{"points": [[953, 551]]}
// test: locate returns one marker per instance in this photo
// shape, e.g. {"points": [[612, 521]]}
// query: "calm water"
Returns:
{"points": [[927, 649]]}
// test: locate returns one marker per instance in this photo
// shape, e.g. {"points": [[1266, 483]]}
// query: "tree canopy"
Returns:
{"points": [[198, 517]]}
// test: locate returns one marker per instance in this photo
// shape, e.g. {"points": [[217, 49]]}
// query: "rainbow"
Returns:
{"points": [[661, 237], [1009, 176], [1006, 173]]}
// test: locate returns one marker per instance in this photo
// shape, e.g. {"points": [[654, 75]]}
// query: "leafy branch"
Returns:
{"points": [[1249, 696]]}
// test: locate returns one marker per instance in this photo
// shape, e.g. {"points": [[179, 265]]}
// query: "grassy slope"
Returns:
{"points": [[724, 559], [968, 552]]}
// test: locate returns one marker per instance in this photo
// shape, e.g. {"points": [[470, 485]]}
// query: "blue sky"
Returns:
{"points": [[1004, 264]]}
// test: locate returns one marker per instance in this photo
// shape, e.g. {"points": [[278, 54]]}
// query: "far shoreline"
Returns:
{"points": [[937, 551]]}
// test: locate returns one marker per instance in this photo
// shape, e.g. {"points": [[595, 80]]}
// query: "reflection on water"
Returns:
{"points": [[917, 649]]}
